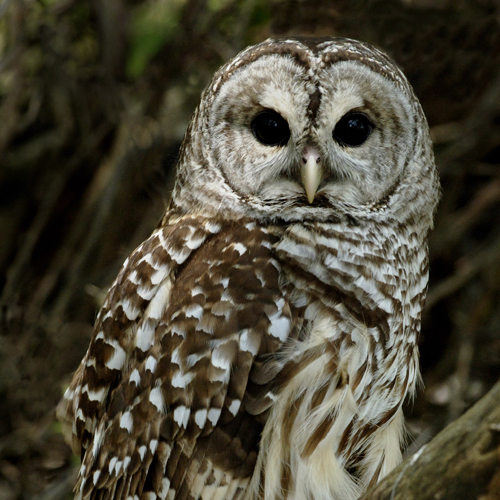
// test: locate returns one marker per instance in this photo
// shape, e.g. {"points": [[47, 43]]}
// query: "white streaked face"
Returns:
{"points": [[270, 117], [295, 130]]}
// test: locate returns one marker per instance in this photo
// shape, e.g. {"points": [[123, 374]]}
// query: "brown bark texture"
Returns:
{"points": [[461, 463]]}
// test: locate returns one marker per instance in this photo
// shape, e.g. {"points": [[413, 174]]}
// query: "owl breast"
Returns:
{"points": [[338, 420]]}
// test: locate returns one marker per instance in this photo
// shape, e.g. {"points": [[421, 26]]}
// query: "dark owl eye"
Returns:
{"points": [[270, 128], [352, 129]]}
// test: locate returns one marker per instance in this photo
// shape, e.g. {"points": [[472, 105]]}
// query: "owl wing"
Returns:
{"points": [[170, 399]]}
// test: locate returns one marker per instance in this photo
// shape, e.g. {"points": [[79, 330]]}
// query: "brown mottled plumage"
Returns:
{"points": [[260, 343]]}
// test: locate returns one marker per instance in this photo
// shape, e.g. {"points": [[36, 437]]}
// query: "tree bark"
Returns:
{"points": [[461, 463]]}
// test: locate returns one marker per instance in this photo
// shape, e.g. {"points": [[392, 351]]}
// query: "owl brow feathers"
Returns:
{"points": [[304, 49]]}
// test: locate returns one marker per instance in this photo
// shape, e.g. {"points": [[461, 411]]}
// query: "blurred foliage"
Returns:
{"points": [[94, 100], [153, 23]]}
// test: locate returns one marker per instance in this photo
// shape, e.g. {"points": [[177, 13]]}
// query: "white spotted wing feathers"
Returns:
{"points": [[171, 358]]}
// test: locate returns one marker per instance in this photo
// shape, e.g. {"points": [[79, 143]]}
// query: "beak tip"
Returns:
{"points": [[311, 178]]}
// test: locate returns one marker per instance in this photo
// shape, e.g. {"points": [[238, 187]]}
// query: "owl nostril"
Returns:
{"points": [[310, 152], [305, 158]]}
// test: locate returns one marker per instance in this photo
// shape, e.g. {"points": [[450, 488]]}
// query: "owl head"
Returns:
{"points": [[298, 129]]}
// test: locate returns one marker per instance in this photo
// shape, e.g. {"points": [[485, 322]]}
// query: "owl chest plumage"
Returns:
{"points": [[338, 415]]}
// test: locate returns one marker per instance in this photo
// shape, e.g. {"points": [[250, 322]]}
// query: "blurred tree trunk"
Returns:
{"points": [[461, 463]]}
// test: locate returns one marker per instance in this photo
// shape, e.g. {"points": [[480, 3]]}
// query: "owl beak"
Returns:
{"points": [[311, 172]]}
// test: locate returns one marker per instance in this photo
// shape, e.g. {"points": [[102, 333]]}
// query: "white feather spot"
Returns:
{"points": [[144, 335], [133, 277], [207, 324], [158, 304], [79, 415], [98, 395], [176, 357], [116, 361], [135, 377], [386, 305], [213, 415], [153, 445], [194, 243], [165, 485], [126, 421], [130, 311], [280, 303], [146, 291], [109, 314], [241, 249], [156, 398], [126, 462], [151, 364], [212, 227], [90, 362], [273, 397], [98, 437], [182, 380], [69, 393], [89, 424], [181, 416], [95, 478], [234, 406], [112, 464], [192, 359], [219, 360], [158, 276], [280, 327], [200, 417], [146, 258], [118, 467], [94, 395], [248, 343], [179, 256], [194, 311], [260, 276], [142, 451], [100, 335]]}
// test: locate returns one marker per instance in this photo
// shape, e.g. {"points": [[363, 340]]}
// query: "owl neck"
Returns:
{"points": [[371, 280]]}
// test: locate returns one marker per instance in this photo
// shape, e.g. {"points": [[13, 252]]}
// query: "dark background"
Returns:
{"points": [[95, 96]]}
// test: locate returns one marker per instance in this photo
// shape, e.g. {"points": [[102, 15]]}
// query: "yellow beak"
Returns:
{"points": [[311, 173]]}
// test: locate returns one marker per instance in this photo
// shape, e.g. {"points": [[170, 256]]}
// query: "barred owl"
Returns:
{"points": [[260, 344]]}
